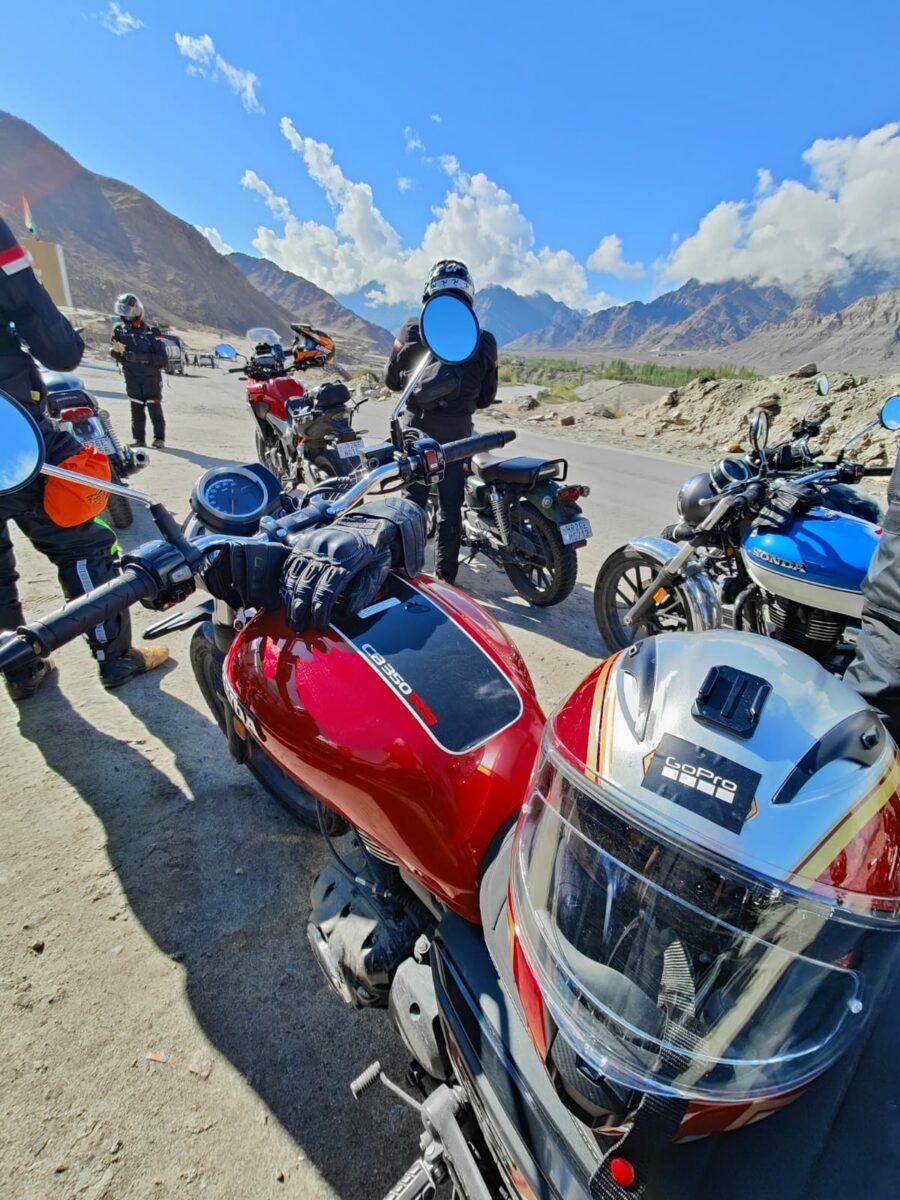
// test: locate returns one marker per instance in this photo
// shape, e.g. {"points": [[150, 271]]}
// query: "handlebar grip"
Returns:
{"points": [[477, 444], [88, 610], [879, 471]]}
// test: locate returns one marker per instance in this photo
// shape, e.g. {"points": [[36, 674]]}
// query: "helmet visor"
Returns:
{"points": [[669, 974]]}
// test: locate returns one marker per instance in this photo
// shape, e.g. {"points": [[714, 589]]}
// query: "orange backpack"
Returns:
{"points": [[67, 503]]}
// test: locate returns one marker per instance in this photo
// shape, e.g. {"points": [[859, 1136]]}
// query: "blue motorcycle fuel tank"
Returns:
{"points": [[819, 560]]}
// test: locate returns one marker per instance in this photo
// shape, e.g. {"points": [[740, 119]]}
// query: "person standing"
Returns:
{"points": [[141, 352], [55, 515], [442, 404]]}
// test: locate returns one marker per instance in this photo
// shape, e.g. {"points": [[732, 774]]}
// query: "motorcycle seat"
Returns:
{"points": [[526, 472]]}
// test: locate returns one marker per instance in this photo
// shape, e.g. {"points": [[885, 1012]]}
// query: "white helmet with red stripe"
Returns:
{"points": [[706, 878]]}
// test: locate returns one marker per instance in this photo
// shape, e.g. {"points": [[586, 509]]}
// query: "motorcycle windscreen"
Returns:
{"points": [[451, 686]]}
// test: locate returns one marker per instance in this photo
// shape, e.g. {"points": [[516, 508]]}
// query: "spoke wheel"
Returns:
{"points": [[623, 579]]}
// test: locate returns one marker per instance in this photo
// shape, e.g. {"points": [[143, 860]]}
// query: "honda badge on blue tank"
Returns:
{"points": [[820, 560]]}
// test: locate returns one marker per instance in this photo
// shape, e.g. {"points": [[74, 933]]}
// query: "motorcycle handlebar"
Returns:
{"points": [[80, 615], [479, 443]]}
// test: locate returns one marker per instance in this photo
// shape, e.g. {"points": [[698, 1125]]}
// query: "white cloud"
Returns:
{"points": [[404, 183], [412, 139], [214, 238], [118, 21], [803, 235], [205, 61], [608, 258], [449, 164], [476, 220], [436, 117]]}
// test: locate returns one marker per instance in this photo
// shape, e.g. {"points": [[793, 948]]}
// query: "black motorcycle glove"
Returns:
{"points": [[247, 575], [783, 505], [348, 562]]}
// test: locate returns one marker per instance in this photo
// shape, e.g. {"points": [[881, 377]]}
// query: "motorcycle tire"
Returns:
{"points": [[625, 576], [550, 577], [206, 663]]}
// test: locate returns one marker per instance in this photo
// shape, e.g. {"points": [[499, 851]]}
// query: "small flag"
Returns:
{"points": [[29, 219]]}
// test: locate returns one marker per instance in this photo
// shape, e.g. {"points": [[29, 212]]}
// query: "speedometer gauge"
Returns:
{"points": [[230, 499]]}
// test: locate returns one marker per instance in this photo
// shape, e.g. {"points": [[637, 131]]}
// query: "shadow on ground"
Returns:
{"points": [[219, 875]]}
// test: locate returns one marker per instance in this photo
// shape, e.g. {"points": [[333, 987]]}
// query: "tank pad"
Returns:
{"points": [[451, 686]]}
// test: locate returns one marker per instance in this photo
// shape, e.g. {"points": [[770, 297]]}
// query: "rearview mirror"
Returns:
{"points": [[822, 385], [21, 446], [759, 430], [225, 350], [449, 328], [890, 413]]}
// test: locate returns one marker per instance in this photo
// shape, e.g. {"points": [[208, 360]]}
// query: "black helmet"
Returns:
{"points": [[448, 275], [692, 491]]}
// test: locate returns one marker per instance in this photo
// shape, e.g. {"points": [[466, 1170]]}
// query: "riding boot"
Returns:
{"points": [[446, 551]]}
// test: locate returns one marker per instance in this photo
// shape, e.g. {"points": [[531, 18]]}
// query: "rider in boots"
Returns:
{"points": [[140, 350], [442, 405], [48, 512]]}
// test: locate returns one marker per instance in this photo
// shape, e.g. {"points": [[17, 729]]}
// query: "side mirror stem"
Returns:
{"points": [[396, 431], [101, 485]]}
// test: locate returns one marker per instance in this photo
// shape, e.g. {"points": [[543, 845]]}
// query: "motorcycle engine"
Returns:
{"points": [[363, 925], [811, 630]]}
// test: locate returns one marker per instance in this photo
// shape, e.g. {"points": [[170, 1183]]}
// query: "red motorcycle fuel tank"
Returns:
{"points": [[274, 392], [416, 720]]}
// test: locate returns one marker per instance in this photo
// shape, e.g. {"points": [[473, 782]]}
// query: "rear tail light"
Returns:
{"points": [[81, 413], [574, 491], [349, 437]]}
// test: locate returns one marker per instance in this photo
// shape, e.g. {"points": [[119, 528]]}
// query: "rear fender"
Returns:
{"points": [[545, 498], [698, 587]]}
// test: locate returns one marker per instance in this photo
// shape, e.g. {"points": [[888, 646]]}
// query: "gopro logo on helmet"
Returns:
{"points": [[701, 778]]}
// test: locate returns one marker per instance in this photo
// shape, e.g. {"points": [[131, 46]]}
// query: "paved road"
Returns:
{"points": [[170, 894]]}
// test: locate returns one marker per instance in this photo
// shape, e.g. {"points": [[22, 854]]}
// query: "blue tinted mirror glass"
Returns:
{"points": [[449, 328], [224, 350], [890, 413], [21, 446]]}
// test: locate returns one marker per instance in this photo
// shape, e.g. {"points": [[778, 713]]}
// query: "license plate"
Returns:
{"points": [[350, 449], [575, 531]]}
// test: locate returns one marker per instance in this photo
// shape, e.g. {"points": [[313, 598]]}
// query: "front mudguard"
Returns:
{"points": [[699, 592]]}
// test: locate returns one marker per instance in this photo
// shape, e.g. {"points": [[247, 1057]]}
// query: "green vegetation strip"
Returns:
{"points": [[562, 375]]}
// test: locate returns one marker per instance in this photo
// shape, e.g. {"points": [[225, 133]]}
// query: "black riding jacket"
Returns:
{"points": [[145, 353], [477, 384], [25, 303]]}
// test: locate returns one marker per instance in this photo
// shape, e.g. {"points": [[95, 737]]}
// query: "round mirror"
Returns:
{"points": [[759, 429], [21, 446], [890, 413], [449, 328], [225, 350], [822, 385]]}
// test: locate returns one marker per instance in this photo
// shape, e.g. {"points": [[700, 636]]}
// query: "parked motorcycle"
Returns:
{"points": [[302, 436], [772, 547], [577, 992], [69, 402]]}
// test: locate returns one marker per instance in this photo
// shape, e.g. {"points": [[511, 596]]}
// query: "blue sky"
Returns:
{"points": [[561, 129]]}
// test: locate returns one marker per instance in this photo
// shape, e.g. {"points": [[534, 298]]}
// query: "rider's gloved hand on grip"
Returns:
{"points": [[337, 563], [395, 522]]}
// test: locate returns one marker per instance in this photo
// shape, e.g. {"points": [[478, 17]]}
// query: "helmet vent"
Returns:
{"points": [[732, 700]]}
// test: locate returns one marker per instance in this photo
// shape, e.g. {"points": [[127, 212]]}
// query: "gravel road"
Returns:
{"points": [[154, 898]]}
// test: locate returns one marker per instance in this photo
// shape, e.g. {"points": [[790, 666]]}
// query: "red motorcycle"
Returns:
{"points": [[581, 980], [303, 436]]}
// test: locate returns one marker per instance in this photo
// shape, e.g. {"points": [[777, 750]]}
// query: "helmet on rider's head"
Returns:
{"points": [[448, 275], [128, 307], [705, 878]]}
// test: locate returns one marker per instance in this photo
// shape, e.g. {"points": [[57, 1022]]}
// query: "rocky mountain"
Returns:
{"points": [[510, 316], [313, 306], [864, 336], [697, 316]]}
